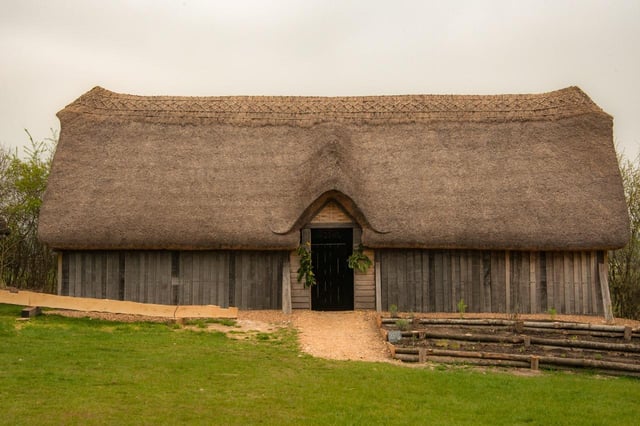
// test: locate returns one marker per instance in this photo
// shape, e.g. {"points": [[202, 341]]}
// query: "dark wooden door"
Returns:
{"points": [[330, 249]]}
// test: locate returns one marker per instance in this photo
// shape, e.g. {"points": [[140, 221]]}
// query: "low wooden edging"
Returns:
{"points": [[526, 340], [526, 344], [574, 327], [29, 298], [525, 361]]}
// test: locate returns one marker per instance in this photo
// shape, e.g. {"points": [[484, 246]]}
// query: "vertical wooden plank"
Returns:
{"points": [[101, 275], [533, 291], [223, 278], [94, 275], [568, 283], [402, 281], [59, 274], [603, 274], [385, 280], [213, 264], [577, 294], [392, 278], [439, 281], [150, 277], [240, 279], [558, 278], [455, 279], [219, 275], [113, 274], [82, 275], [418, 279], [464, 279], [410, 283], [496, 278], [378, 280], [77, 283], [265, 289], [129, 279], [593, 280], [424, 272], [185, 277], [144, 273], [544, 273], [485, 295], [432, 281], [446, 279], [507, 280], [520, 282], [250, 292], [476, 282], [584, 282]]}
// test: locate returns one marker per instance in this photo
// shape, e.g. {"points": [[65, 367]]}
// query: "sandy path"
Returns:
{"points": [[348, 335]]}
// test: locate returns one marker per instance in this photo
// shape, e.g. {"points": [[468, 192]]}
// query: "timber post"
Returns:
{"points": [[603, 271], [286, 286]]}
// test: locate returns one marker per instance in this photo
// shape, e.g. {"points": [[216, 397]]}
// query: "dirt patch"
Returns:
{"points": [[347, 335]]}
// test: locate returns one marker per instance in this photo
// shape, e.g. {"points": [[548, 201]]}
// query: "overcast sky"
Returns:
{"points": [[51, 52]]}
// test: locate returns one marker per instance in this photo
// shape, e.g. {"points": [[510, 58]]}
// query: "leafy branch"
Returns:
{"points": [[305, 271], [358, 260]]}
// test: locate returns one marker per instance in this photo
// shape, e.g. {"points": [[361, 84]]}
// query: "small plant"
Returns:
{"points": [[228, 322], [462, 308], [402, 324], [305, 271], [393, 311], [552, 313], [358, 260]]}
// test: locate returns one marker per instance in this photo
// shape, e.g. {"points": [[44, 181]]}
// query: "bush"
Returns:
{"points": [[25, 262], [624, 264]]}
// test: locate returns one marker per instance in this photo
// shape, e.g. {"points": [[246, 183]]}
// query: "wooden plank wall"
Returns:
{"points": [[258, 279], [245, 279], [364, 291], [300, 296], [332, 213], [202, 279], [90, 274], [147, 277], [491, 281]]}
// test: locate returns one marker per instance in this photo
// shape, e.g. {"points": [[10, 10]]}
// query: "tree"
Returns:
{"points": [[624, 264], [24, 261]]}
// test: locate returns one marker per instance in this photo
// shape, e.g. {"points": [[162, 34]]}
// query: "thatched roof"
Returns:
{"points": [[505, 172]]}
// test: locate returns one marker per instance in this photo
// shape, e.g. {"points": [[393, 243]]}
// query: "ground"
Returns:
{"points": [[345, 335]]}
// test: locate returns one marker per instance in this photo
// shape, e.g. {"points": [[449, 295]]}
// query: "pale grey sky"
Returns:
{"points": [[51, 52]]}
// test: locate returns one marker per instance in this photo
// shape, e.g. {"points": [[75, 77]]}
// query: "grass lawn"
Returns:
{"points": [[57, 370]]}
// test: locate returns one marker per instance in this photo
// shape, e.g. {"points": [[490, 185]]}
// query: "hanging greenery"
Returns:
{"points": [[358, 260], [305, 271]]}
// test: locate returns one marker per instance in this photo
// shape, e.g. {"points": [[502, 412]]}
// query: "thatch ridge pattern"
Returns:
{"points": [[309, 110]]}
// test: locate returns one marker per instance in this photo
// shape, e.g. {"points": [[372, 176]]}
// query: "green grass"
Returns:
{"points": [[58, 370]]}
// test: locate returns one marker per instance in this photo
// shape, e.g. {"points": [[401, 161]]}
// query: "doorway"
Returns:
{"points": [[330, 249]]}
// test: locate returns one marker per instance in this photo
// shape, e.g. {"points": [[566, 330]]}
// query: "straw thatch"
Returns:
{"points": [[504, 172]]}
